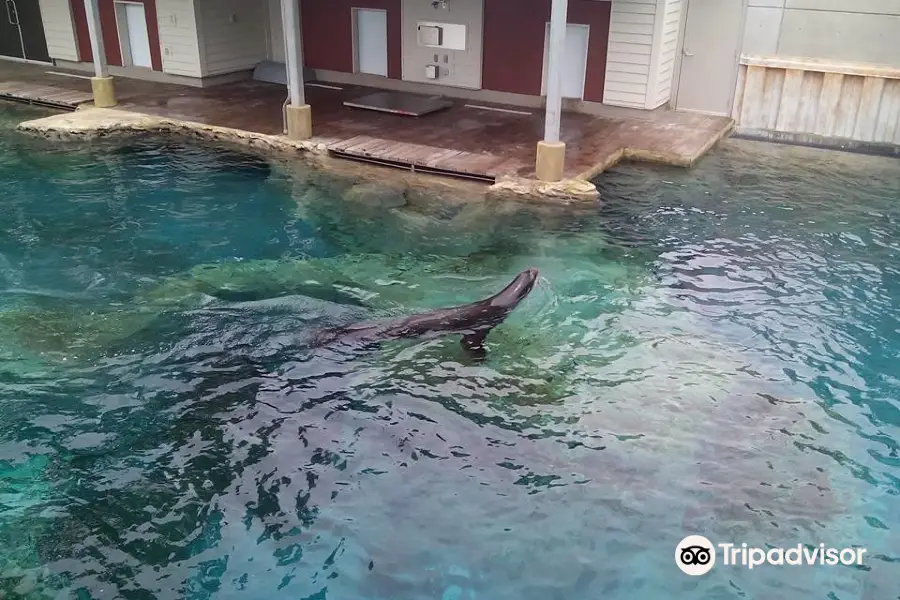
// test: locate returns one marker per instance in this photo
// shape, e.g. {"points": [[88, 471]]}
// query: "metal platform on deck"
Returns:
{"points": [[424, 159], [400, 103], [43, 95]]}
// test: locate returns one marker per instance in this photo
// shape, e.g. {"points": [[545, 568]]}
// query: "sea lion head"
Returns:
{"points": [[517, 290]]}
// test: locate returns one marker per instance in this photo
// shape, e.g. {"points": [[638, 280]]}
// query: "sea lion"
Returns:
{"points": [[474, 321]]}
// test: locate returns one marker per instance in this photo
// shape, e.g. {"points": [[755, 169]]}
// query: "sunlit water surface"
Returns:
{"points": [[713, 351]]}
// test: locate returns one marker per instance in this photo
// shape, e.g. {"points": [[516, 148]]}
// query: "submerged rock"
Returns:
{"points": [[566, 191], [377, 195], [72, 331], [254, 280]]}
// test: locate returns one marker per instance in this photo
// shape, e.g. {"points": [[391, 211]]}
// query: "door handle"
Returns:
{"points": [[686, 53], [9, 13]]}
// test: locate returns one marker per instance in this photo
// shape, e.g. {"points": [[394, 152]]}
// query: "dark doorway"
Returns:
{"points": [[10, 42], [22, 30]]}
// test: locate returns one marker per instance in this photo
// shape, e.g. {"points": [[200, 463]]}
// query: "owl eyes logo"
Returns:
{"points": [[695, 555]]}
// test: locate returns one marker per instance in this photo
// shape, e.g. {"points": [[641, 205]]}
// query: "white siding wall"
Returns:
{"points": [[178, 37], [643, 41], [665, 48], [232, 34], [629, 52], [59, 29]]}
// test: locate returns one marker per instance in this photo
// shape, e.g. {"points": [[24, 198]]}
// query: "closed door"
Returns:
{"points": [[371, 41], [709, 62], [134, 40], [31, 26], [574, 62], [10, 35]]}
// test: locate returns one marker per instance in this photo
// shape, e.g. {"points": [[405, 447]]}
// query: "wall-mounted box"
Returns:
{"points": [[430, 35], [451, 36]]}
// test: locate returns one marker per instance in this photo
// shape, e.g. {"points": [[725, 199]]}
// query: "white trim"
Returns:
{"points": [[495, 109], [679, 56], [27, 61], [694, 111], [60, 73], [659, 27]]}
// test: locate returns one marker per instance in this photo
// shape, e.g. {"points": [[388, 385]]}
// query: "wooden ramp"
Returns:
{"points": [[425, 159], [43, 95]]}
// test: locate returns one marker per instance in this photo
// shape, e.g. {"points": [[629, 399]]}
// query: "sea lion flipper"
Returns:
{"points": [[473, 344]]}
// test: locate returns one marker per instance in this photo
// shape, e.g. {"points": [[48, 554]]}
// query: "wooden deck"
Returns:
{"points": [[467, 139], [45, 95], [425, 159]]}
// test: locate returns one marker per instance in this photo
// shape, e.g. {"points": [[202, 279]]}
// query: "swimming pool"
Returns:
{"points": [[713, 351]]}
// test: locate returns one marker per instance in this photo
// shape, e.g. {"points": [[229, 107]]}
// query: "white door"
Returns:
{"points": [[371, 41], [713, 32], [574, 63], [134, 41]]}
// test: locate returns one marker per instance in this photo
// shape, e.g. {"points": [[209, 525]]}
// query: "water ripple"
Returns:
{"points": [[713, 350]]}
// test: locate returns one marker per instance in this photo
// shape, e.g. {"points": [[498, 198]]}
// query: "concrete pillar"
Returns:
{"points": [[299, 121], [551, 152], [551, 161], [101, 83], [298, 114]]}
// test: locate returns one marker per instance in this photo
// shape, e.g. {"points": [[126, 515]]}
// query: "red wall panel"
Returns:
{"points": [[514, 44], [111, 32], [328, 33]]}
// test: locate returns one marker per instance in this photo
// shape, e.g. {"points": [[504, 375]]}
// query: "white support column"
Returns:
{"points": [[92, 10], [558, 17], [551, 152], [297, 114], [290, 14], [101, 84]]}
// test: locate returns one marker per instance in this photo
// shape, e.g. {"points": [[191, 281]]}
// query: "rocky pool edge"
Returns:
{"points": [[91, 123]]}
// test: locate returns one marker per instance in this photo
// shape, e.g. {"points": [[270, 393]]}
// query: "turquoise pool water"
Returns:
{"points": [[714, 351]]}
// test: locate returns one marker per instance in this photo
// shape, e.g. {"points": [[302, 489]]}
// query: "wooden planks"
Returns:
{"points": [[44, 94], [482, 165], [857, 105]]}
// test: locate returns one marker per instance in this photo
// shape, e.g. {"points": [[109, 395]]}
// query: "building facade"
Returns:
{"points": [[618, 52], [819, 71]]}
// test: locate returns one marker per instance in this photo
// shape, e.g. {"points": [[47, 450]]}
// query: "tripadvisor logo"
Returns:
{"points": [[696, 555]]}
